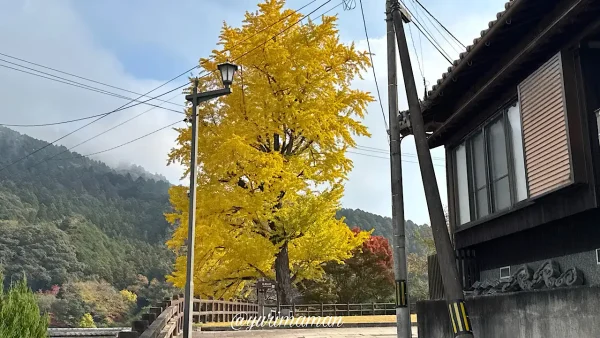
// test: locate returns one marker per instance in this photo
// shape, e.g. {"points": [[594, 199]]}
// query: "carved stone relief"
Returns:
{"points": [[547, 276]]}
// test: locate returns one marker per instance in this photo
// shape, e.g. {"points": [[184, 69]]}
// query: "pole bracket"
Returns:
{"points": [[405, 15], [404, 123]]}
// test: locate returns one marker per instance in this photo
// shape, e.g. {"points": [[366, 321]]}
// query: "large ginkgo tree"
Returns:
{"points": [[271, 155]]}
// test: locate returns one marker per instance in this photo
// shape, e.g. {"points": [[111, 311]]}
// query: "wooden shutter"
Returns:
{"points": [[545, 139]]}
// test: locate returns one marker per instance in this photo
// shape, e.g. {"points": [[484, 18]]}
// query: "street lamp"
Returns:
{"points": [[227, 73]]}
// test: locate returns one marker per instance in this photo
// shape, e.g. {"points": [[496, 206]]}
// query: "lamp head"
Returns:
{"points": [[227, 72]]}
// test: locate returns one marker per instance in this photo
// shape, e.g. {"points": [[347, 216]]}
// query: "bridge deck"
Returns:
{"points": [[370, 332]]}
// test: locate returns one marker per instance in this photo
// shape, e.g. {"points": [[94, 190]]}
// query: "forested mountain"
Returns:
{"points": [[71, 216], [136, 171], [87, 235], [418, 236]]}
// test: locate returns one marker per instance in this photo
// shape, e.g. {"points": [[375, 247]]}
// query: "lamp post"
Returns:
{"points": [[227, 72]]}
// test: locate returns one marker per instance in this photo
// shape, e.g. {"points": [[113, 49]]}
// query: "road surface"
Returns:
{"points": [[367, 332]]}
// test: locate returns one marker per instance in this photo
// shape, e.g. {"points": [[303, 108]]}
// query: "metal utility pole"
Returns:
{"points": [[461, 325], [403, 323], [227, 73]]}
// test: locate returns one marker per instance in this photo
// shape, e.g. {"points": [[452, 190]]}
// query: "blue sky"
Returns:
{"points": [[139, 44]]}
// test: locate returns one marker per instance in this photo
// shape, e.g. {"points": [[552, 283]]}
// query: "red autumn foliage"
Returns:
{"points": [[367, 276], [379, 248]]}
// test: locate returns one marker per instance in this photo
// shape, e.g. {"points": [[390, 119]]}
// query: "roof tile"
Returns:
{"points": [[470, 48]]}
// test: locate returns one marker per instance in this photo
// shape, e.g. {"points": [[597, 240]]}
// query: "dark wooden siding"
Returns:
{"points": [[545, 136], [561, 202]]}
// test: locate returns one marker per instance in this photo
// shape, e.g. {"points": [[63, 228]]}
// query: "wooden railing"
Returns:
{"points": [[165, 320], [348, 309], [212, 310], [468, 272]]}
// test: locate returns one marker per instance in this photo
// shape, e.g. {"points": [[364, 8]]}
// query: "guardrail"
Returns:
{"points": [[348, 309]]}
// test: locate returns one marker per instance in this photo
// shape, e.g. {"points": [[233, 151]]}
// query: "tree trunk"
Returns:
{"points": [[282, 274]]}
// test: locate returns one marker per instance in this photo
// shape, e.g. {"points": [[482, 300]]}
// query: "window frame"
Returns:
{"points": [[501, 114]]}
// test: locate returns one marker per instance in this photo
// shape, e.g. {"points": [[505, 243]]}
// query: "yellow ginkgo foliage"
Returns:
{"points": [[271, 155]]}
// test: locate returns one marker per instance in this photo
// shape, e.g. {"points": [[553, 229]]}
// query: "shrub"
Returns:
{"points": [[19, 313], [87, 321]]}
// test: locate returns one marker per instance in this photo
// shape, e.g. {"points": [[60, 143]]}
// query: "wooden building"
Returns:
{"points": [[519, 117]]}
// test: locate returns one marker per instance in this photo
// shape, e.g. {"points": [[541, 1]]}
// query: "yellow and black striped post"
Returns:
{"points": [[401, 294], [459, 317]]}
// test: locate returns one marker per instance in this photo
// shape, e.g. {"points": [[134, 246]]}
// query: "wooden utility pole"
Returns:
{"points": [[461, 325], [403, 324]]}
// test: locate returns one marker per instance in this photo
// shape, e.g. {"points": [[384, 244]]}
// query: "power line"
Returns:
{"points": [[437, 29], [332, 8], [96, 136], [162, 85], [79, 85], [76, 76], [239, 57], [384, 151], [387, 158], [131, 141], [412, 39], [434, 43], [78, 129], [444, 27], [373, 68], [56, 123], [120, 145], [281, 32], [112, 94], [424, 25]]}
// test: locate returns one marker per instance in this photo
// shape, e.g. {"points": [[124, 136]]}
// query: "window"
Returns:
{"points": [[598, 256], [490, 167], [505, 273], [462, 179], [597, 113]]}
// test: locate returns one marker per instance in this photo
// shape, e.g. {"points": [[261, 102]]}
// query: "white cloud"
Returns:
{"points": [[52, 34]]}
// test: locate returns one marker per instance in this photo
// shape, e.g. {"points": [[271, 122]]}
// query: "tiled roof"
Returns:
{"points": [[447, 75]]}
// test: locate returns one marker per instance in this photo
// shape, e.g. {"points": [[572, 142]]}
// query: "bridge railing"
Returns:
{"points": [[165, 320], [213, 310], [347, 309]]}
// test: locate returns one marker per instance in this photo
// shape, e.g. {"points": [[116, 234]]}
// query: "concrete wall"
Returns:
{"points": [[584, 261], [559, 313]]}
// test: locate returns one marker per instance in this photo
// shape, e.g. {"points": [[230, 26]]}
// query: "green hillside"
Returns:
{"points": [[82, 232], [418, 236], [64, 219]]}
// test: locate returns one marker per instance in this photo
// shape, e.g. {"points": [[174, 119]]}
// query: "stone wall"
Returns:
{"points": [[557, 313]]}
